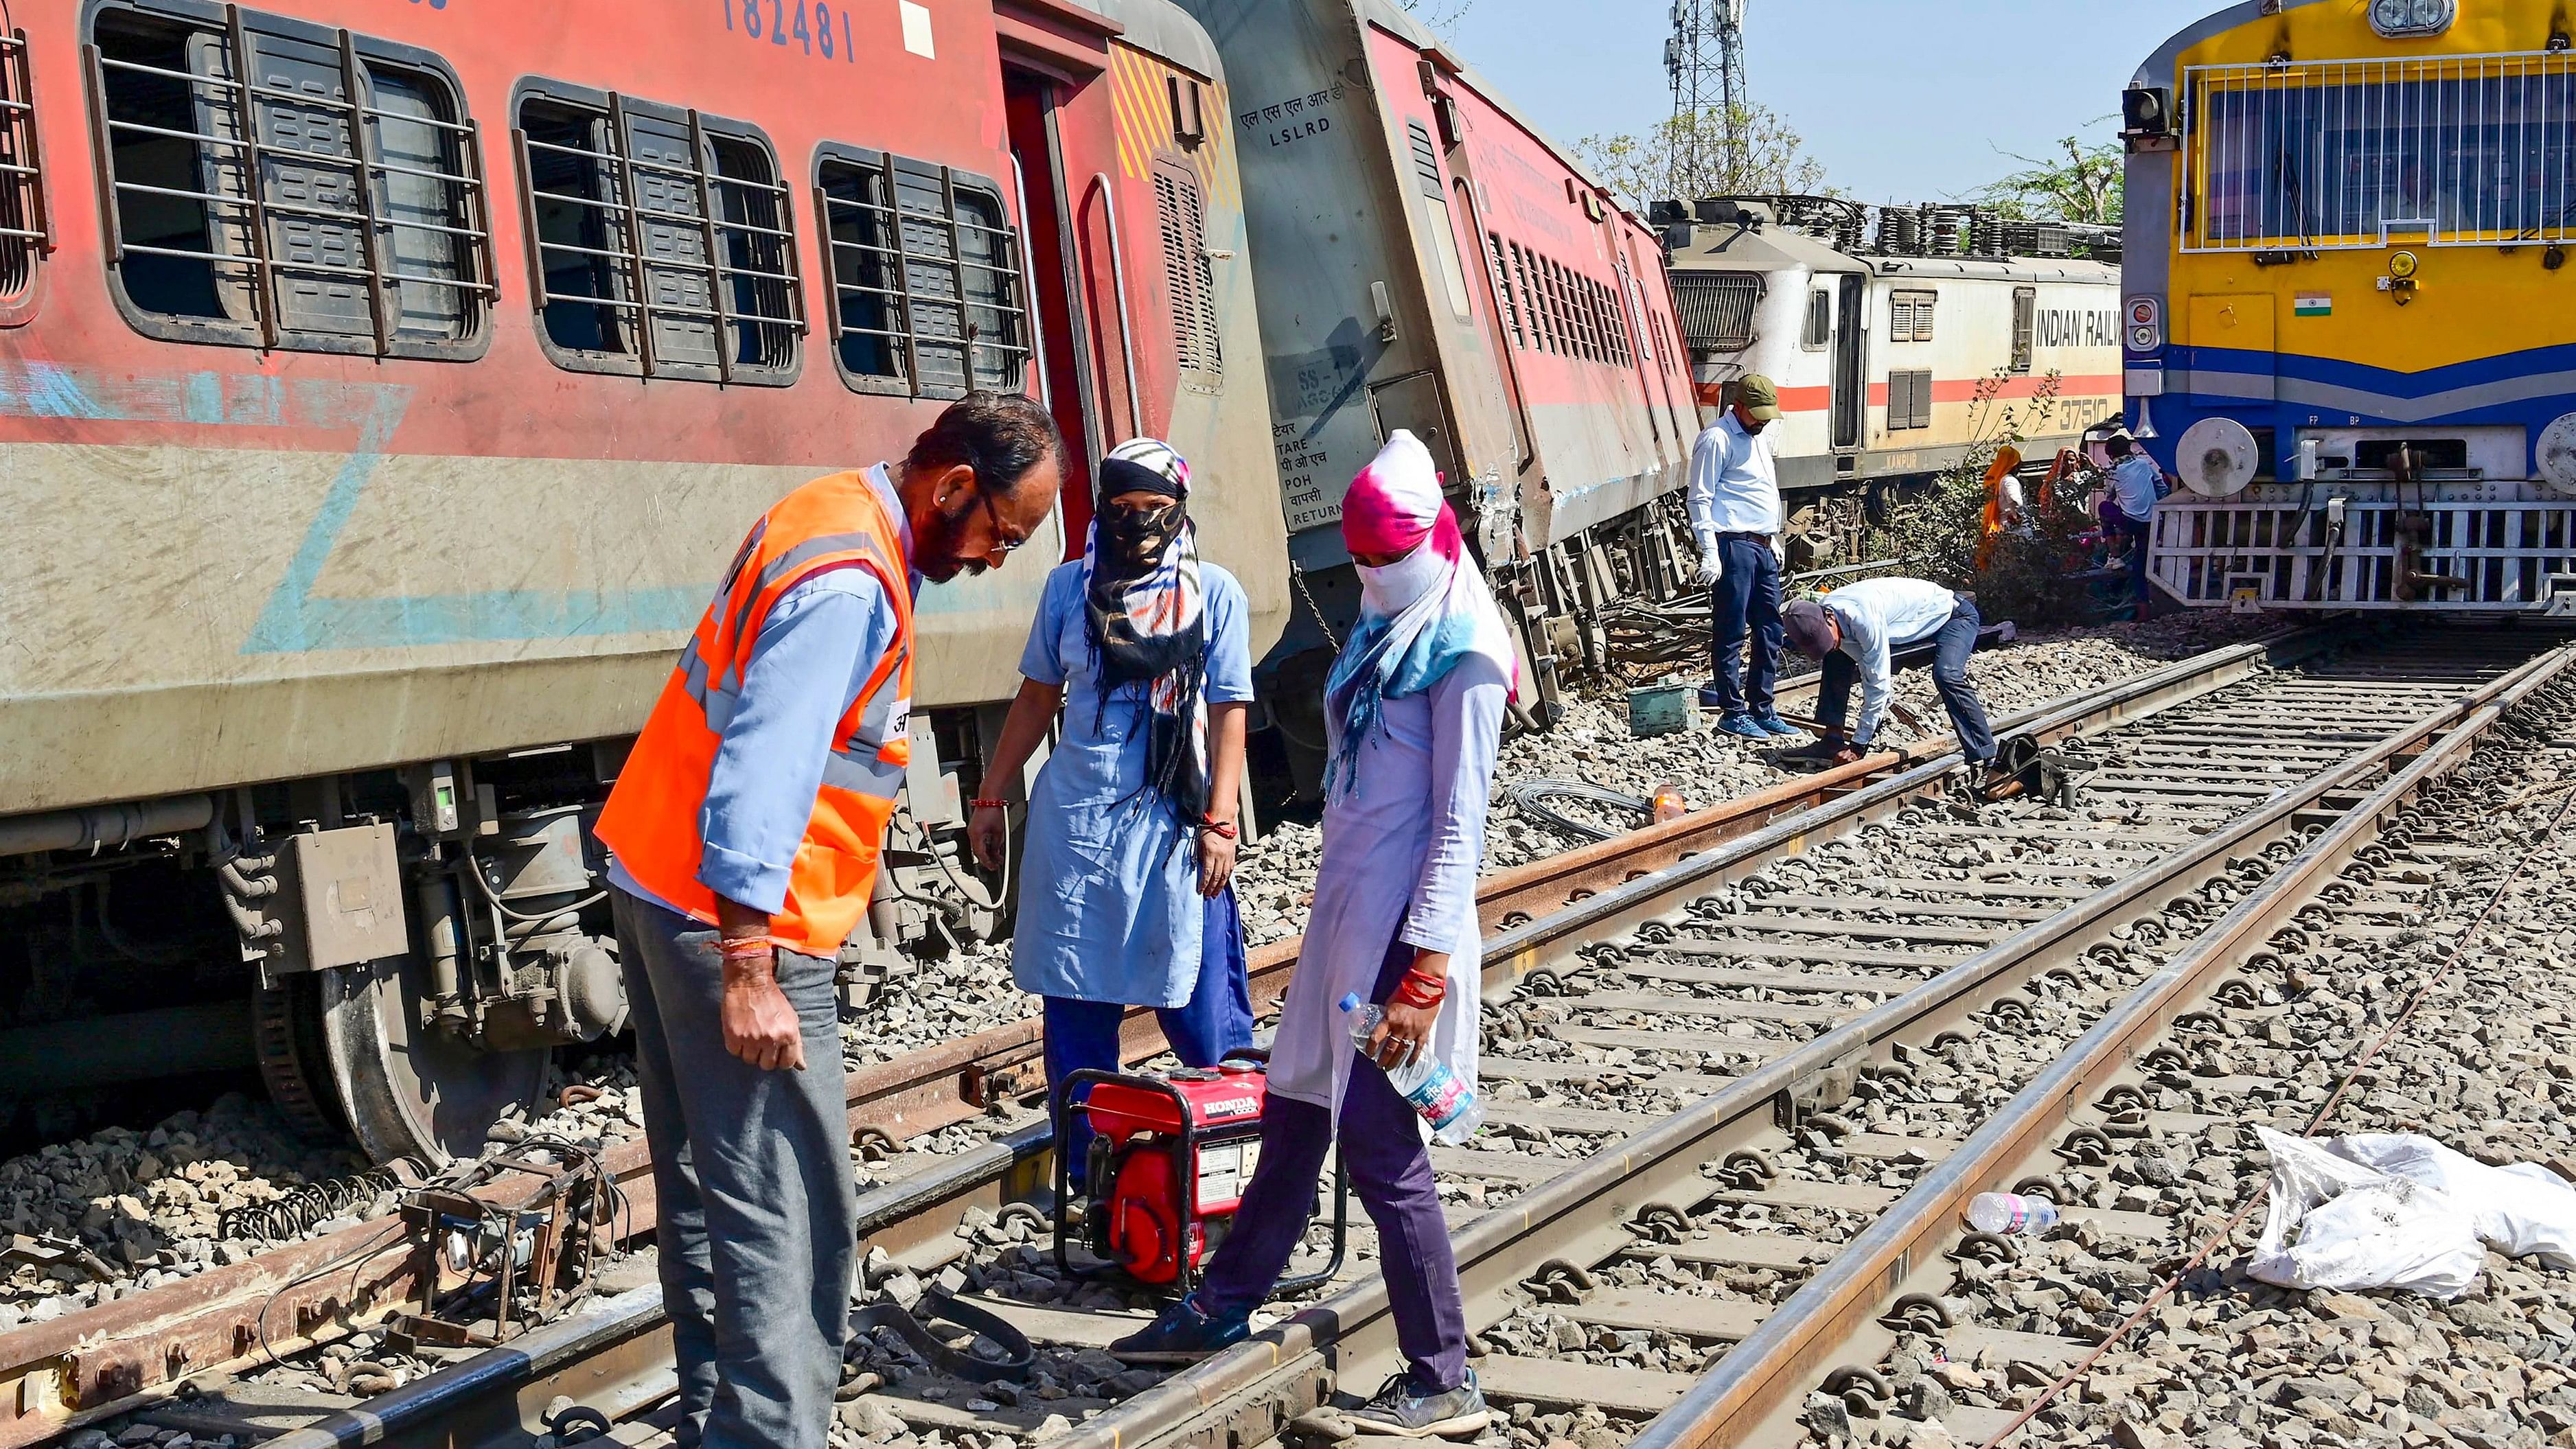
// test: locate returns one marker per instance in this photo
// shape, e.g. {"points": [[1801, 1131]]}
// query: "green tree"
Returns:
{"points": [[1769, 158], [2082, 184]]}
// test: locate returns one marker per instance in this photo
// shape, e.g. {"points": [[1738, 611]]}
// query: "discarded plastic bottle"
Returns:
{"points": [[2011, 1214], [1669, 804], [1453, 1111]]}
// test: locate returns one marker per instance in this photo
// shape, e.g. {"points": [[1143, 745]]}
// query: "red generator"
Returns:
{"points": [[1170, 1157]]}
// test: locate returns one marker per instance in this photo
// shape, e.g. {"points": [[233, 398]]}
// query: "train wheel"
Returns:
{"points": [[407, 1089], [286, 1031]]}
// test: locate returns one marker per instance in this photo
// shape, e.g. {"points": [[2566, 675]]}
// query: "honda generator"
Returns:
{"points": [[1170, 1158]]}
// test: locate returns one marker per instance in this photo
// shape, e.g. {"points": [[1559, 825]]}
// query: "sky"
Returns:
{"points": [[1903, 100]]}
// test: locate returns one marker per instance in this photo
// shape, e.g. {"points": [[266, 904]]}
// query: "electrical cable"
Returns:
{"points": [[1530, 798]]}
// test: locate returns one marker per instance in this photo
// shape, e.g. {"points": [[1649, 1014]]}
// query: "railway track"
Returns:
{"points": [[1681, 1018]]}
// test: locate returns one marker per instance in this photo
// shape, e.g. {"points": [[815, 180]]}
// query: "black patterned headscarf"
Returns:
{"points": [[1144, 611]]}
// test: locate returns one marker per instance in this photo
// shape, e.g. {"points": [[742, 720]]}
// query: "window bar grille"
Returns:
{"points": [[824, 205], [715, 247], [359, 122], [254, 203], [19, 110], [264, 279], [631, 222]]}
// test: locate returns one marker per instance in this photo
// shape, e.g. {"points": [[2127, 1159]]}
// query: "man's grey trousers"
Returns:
{"points": [[758, 1205]]}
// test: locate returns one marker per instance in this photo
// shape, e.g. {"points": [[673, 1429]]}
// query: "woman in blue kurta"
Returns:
{"points": [[1125, 877]]}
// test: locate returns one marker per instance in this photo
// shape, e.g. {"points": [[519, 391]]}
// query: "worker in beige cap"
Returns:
{"points": [[1734, 501]]}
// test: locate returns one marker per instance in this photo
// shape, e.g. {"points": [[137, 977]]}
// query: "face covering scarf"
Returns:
{"points": [[1144, 618], [1420, 615]]}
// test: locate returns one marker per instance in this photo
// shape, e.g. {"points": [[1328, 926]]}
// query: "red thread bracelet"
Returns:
{"points": [[1225, 828]]}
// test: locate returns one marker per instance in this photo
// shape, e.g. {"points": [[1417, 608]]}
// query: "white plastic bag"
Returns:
{"points": [[2333, 1223], [2520, 1210]]}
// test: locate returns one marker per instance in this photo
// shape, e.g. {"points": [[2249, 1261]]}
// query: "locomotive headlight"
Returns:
{"points": [[2406, 18]]}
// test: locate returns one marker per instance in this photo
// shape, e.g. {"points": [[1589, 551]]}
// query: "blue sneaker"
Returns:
{"points": [[1181, 1335], [1770, 721], [1740, 723], [1403, 1411]]}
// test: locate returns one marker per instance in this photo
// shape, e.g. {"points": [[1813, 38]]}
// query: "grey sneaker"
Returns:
{"points": [[1401, 1410]]}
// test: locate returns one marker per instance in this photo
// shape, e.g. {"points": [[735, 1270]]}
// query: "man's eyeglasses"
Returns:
{"points": [[1003, 543]]}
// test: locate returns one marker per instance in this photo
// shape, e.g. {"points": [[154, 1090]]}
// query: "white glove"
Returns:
{"points": [[1711, 569]]}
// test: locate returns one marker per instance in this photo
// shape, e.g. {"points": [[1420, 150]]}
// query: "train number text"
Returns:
{"points": [[808, 25]]}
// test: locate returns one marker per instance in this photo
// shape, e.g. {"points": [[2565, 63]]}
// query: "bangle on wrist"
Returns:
{"points": [[744, 948], [1210, 825], [989, 804]]}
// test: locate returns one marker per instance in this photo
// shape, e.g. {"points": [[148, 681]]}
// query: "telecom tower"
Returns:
{"points": [[1705, 58]]}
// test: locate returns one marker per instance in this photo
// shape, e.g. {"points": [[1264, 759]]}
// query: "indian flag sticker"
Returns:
{"points": [[2314, 304]]}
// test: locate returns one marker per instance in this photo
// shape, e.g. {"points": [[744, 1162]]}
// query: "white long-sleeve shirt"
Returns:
{"points": [[1879, 617], [1734, 487]]}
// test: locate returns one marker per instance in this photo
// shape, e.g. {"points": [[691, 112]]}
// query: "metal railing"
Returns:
{"points": [[2334, 155], [2440, 555], [26, 228], [249, 161], [757, 246], [930, 271]]}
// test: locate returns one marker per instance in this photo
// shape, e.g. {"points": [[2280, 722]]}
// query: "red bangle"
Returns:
{"points": [[1420, 989], [989, 804]]}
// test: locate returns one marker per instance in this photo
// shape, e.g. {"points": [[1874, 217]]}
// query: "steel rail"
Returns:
{"points": [[1764, 1379], [118, 1356], [1247, 1394]]}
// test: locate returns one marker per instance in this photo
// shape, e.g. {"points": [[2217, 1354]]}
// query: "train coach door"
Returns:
{"points": [[1029, 101], [1851, 335]]}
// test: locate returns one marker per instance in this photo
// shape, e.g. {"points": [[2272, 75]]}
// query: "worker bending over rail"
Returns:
{"points": [[1856, 631], [746, 826], [1413, 713], [1126, 895]]}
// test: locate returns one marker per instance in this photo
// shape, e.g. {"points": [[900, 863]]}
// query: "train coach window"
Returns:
{"points": [[925, 276], [1188, 275], [2025, 326], [25, 231], [660, 240], [1909, 316], [1820, 321], [1511, 306], [278, 184]]}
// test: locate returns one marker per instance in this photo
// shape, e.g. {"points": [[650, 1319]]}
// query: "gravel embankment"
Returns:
{"points": [[150, 1203]]}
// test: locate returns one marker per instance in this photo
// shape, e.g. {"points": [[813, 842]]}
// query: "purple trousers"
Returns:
{"points": [[1391, 1171]]}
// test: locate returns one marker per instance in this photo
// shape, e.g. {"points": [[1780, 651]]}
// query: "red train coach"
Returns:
{"points": [[383, 386], [1429, 260]]}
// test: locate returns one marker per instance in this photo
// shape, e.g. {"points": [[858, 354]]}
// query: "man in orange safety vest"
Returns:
{"points": [[745, 826]]}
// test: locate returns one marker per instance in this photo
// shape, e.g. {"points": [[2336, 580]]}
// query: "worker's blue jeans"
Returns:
{"points": [[1083, 1035], [1745, 600], [758, 1209], [1952, 645], [1391, 1172]]}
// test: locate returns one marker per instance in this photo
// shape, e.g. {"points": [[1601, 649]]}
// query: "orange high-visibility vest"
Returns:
{"points": [[652, 817]]}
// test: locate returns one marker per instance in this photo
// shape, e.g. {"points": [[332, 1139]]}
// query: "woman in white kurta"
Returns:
{"points": [[1414, 715]]}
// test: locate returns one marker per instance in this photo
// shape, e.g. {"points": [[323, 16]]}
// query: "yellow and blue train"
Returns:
{"points": [[2349, 319]]}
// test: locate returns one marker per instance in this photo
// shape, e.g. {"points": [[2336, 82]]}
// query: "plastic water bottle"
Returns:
{"points": [[1444, 1101], [2010, 1214]]}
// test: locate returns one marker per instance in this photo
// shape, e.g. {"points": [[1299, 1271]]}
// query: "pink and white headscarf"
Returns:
{"points": [[1420, 615]]}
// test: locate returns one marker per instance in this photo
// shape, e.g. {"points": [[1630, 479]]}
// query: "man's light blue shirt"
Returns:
{"points": [[813, 656], [2133, 486], [1879, 617]]}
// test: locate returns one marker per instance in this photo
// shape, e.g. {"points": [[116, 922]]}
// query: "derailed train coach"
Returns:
{"points": [[1428, 260], [383, 389]]}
